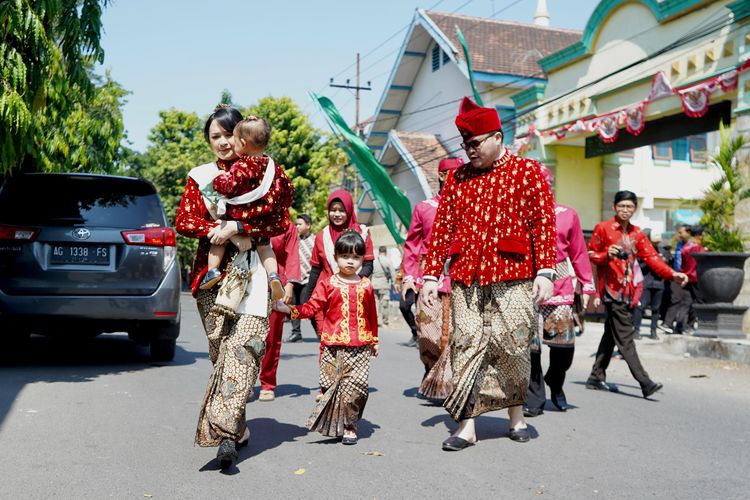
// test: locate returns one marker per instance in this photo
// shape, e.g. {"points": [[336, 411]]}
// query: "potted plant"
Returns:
{"points": [[721, 269]]}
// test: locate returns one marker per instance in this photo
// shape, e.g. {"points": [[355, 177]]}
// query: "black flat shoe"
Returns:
{"points": [[532, 412], [520, 435], [211, 277], [412, 341], [227, 453], [293, 338], [348, 440], [559, 401], [651, 388], [600, 385], [455, 443]]}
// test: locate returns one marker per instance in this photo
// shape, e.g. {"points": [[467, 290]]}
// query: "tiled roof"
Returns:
{"points": [[507, 47], [427, 151]]}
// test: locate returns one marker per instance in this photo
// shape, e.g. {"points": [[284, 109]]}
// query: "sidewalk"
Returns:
{"points": [[737, 350]]}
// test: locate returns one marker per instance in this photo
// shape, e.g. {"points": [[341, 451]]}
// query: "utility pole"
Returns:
{"points": [[356, 88], [358, 129]]}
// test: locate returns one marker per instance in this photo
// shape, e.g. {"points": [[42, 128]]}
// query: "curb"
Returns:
{"points": [[737, 350]]}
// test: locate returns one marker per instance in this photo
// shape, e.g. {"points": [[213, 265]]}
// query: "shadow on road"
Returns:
{"points": [[265, 434], [47, 359], [486, 427], [291, 390], [638, 395]]}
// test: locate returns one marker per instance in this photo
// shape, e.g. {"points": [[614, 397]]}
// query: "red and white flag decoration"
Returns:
{"points": [[608, 129], [635, 118], [695, 102]]}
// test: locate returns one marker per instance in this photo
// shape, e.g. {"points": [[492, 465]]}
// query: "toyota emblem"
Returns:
{"points": [[81, 233]]}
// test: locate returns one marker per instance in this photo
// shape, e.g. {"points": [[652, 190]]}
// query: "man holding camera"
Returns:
{"points": [[614, 247]]}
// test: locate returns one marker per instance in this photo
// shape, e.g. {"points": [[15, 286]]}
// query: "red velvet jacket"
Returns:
{"points": [[245, 175], [194, 221], [496, 224], [617, 277], [349, 312]]}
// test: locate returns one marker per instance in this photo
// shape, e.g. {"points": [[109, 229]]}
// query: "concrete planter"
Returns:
{"points": [[720, 279]]}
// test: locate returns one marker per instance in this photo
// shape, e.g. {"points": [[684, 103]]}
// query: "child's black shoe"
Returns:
{"points": [[212, 277]]}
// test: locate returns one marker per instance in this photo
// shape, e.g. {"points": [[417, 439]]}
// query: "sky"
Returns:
{"points": [[183, 53]]}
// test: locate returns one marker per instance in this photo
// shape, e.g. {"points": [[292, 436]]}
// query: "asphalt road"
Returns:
{"points": [[97, 420]]}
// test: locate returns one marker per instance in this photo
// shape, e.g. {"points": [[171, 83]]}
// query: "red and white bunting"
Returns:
{"points": [[695, 102]]}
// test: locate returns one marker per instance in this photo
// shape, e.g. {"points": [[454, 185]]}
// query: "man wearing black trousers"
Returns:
{"points": [[615, 245]]}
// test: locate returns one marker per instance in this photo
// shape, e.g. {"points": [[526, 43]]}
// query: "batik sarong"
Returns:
{"points": [[492, 329], [557, 325], [344, 372], [433, 328], [235, 347]]}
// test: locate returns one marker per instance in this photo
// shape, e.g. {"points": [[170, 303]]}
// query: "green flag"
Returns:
{"points": [[477, 95], [388, 199]]}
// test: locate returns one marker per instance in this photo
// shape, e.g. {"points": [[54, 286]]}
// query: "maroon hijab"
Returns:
{"points": [[343, 196]]}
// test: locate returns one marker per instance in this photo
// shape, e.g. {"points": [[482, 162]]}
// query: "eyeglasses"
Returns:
{"points": [[474, 144]]}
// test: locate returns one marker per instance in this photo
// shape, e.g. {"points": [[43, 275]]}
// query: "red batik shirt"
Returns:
{"points": [[618, 279], [194, 220], [349, 313], [245, 175], [496, 224]]}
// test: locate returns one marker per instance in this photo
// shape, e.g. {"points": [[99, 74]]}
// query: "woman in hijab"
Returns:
{"points": [[341, 216]]}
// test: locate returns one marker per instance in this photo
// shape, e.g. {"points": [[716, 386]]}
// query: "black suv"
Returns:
{"points": [[85, 254]]}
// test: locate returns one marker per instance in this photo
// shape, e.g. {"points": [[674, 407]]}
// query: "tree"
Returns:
{"points": [[89, 137], [47, 50], [720, 200], [309, 156], [176, 146]]}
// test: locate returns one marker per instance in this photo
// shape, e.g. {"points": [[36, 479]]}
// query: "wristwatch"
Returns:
{"points": [[550, 275], [240, 227]]}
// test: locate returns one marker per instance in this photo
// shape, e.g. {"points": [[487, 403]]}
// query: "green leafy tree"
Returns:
{"points": [[89, 137], [309, 156], [176, 146], [720, 200], [46, 51]]}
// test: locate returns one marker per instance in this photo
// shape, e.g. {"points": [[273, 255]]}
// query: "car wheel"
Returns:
{"points": [[163, 349]]}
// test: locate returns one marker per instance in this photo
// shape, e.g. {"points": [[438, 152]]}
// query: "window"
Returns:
{"points": [[698, 148], [508, 120], [446, 58], [662, 151], [680, 150], [436, 57], [691, 148]]}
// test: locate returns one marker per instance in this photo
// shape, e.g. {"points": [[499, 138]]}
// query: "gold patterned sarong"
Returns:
{"points": [[433, 329], [492, 329], [235, 347], [344, 372]]}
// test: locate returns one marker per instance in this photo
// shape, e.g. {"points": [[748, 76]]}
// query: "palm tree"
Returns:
{"points": [[721, 198]]}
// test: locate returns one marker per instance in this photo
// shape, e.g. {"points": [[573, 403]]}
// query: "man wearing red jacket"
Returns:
{"points": [[286, 248], [496, 221], [615, 246]]}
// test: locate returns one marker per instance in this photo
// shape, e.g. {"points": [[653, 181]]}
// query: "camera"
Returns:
{"points": [[622, 254]]}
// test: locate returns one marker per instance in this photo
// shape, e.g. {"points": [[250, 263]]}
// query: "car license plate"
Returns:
{"points": [[97, 255]]}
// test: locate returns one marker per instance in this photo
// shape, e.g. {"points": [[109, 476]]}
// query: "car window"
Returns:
{"points": [[90, 200]]}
